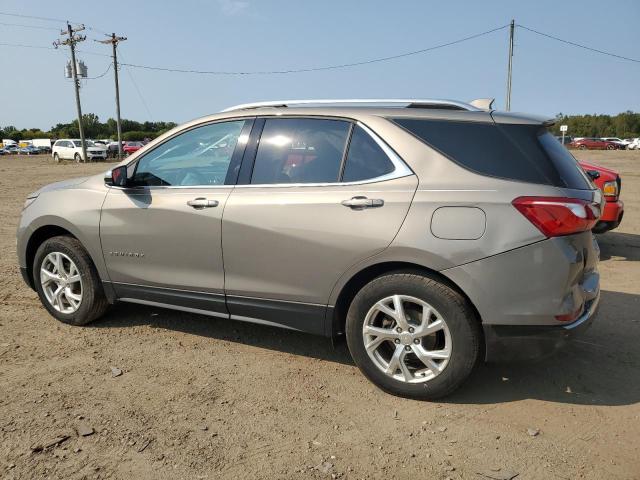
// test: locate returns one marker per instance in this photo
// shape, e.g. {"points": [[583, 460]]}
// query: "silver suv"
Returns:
{"points": [[430, 233]]}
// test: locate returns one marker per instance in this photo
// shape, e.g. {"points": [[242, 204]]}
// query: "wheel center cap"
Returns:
{"points": [[406, 338]]}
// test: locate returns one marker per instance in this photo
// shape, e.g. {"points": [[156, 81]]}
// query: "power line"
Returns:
{"points": [[144, 103], [39, 27], [602, 52], [46, 19], [25, 46], [100, 76], [316, 69]]}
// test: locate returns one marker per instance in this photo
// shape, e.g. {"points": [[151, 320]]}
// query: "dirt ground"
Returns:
{"points": [[204, 398]]}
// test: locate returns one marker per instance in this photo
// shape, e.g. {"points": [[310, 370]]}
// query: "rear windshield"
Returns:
{"points": [[525, 153]]}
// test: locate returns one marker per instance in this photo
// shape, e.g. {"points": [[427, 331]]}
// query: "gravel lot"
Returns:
{"points": [[205, 398]]}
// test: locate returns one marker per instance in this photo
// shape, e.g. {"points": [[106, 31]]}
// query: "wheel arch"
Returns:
{"points": [[365, 275], [37, 238]]}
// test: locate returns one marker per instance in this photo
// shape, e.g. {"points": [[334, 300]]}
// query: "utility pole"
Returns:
{"points": [[113, 40], [71, 41], [511, 31]]}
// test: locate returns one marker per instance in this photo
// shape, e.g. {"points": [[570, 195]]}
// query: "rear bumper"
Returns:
{"points": [[505, 343], [611, 216]]}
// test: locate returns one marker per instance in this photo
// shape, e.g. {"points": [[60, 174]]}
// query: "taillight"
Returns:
{"points": [[556, 216]]}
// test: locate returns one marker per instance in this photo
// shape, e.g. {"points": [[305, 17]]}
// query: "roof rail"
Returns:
{"points": [[408, 103]]}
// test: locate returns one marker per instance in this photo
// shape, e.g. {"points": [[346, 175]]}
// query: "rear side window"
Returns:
{"points": [[365, 159], [300, 150], [526, 153]]}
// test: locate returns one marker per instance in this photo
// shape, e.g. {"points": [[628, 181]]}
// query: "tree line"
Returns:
{"points": [[623, 125], [93, 128]]}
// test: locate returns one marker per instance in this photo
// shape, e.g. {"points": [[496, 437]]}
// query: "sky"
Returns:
{"points": [[242, 35]]}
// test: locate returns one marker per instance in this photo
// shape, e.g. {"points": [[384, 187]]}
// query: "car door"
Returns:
{"points": [[161, 236], [305, 209]]}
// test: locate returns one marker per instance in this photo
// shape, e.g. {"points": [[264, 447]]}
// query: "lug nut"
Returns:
{"points": [[398, 330], [416, 340], [407, 347], [397, 340], [411, 330]]}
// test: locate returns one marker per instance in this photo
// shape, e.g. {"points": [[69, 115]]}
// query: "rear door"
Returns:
{"points": [[315, 196]]}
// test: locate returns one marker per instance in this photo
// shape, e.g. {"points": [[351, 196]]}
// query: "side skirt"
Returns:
{"points": [[302, 317]]}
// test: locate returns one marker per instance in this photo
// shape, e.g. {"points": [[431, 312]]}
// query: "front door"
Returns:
{"points": [[311, 209], [161, 236]]}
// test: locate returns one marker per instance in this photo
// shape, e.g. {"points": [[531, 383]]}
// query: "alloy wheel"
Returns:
{"points": [[61, 282], [407, 339]]}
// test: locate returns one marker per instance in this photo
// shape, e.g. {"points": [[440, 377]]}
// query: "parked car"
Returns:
{"points": [[131, 147], [567, 139], [71, 149], [634, 144], [379, 225], [593, 144], [609, 182], [622, 144], [43, 149], [112, 149], [11, 149], [29, 150]]}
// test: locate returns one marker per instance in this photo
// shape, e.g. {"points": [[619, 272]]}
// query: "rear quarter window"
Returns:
{"points": [[525, 153]]}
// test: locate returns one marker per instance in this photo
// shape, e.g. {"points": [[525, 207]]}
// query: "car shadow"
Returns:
{"points": [[599, 368], [618, 244], [123, 315]]}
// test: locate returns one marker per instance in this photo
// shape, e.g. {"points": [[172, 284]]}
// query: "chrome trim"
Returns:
{"points": [[413, 102], [174, 307], [165, 288], [262, 322], [232, 296]]}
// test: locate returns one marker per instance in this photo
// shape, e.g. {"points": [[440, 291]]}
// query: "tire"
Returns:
{"points": [[56, 158], [611, 147], [92, 303], [582, 147], [460, 335], [77, 158]]}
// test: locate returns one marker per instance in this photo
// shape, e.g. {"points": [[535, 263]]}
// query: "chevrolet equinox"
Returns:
{"points": [[430, 233]]}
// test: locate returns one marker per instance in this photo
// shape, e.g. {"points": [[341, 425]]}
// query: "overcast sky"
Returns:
{"points": [[237, 35]]}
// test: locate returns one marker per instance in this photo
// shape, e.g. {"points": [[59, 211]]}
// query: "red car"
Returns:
{"points": [[593, 144], [131, 147], [608, 181]]}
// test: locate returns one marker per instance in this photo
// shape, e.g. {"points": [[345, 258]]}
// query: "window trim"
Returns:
{"points": [[401, 169], [236, 157]]}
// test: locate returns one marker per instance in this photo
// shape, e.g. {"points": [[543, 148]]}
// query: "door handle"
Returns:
{"points": [[201, 202], [360, 203]]}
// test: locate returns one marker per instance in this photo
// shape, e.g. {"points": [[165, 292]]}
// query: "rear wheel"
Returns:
{"points": [[56, 158], [77, 158], [582, 147], [412, 335], [67, 282]]}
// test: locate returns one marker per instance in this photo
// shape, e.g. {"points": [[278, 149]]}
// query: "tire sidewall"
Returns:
{"points": [[460, 320], [89, 287]]}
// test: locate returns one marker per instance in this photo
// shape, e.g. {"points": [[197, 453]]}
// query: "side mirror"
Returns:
{"points": [[116, 177], [594, 174]]}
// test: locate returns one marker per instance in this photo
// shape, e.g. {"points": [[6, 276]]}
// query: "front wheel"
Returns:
{"points": [[56, 158], [77, 158], [611, 147], [67, 282], [582, 147], [413, 336]]}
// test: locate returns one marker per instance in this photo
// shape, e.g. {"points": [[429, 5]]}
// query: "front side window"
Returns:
{"points": [[200, 156], [365, 160], [300, 150]]}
